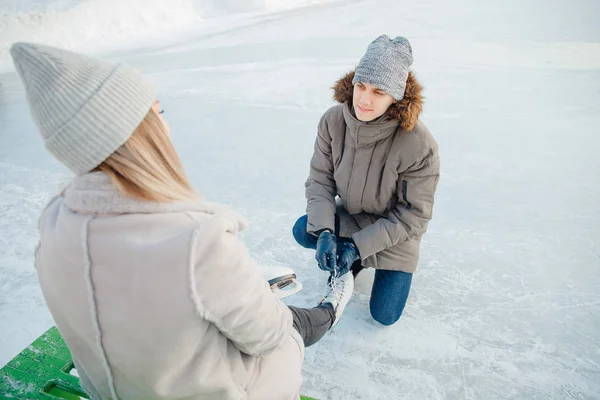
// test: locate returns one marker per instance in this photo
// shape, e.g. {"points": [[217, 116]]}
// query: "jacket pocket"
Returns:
{"points": [[405, 194]]}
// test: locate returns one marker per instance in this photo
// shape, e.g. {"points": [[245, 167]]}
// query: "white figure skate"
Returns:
{"points": [[282, 280]]}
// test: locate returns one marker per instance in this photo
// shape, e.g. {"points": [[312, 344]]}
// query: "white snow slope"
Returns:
{"points": [[505, 304]]}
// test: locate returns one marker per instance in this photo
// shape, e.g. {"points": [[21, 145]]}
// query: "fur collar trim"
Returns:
{"points": [[94, 193]]}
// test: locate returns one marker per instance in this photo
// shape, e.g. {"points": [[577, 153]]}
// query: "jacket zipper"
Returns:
{"points": [[404, 195], [353, 164]]}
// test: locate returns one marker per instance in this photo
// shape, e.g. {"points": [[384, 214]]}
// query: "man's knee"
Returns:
{"points": [[299, 231], [386, 317]]}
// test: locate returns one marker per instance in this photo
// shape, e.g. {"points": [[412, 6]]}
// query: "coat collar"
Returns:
{"points": [[365, 133], [94, 193]]}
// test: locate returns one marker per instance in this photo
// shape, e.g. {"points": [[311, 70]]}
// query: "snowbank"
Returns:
{"points": [[103, 24]]}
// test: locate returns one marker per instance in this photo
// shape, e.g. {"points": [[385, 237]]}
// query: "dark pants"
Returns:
{"points": [[312, 323], [390, 288]]}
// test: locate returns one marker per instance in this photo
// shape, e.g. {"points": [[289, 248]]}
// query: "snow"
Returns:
{"points": [[505, 303], [109, 24]]}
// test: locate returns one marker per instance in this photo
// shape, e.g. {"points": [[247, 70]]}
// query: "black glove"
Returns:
{"points": [[347, 254], [326, 251]]}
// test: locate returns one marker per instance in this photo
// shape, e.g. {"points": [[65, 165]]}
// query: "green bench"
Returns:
{"points": [[43, 371]]}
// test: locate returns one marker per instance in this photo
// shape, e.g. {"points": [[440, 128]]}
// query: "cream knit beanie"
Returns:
{"points": [[84, 108]]}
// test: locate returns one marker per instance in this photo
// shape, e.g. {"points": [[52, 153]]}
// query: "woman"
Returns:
{"points": [[151, 289], [374, 153]]}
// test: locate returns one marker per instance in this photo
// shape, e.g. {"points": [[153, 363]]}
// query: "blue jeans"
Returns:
{"points": [[390, 288]]}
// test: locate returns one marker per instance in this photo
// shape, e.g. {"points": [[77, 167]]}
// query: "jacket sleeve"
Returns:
{"points": [[320, 185], [229, 291], [413, 210]]}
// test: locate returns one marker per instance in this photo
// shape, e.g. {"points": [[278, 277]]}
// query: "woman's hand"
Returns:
{"points": [[326, 251]]}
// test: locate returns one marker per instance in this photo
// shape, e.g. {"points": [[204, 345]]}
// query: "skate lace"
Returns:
{"points": [[336, 285]]}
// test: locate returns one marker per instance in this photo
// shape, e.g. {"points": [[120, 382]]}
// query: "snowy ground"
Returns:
{"points": [[505, 303]]}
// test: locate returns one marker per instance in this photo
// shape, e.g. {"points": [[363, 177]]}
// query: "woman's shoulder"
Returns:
{"points": [[216, 214], [215, 241], [50, 211]]}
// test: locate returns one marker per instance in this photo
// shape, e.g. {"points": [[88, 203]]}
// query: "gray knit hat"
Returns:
{"points": [[84, 108], [385, 65]]}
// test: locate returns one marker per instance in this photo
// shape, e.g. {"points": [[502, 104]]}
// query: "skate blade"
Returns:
{"points": [[286, 288]]}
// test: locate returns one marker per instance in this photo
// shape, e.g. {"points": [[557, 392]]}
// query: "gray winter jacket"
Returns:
{"points": [[385, 173]]}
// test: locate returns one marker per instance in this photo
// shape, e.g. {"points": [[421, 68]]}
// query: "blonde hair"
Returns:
{"points": [[147, 167]]}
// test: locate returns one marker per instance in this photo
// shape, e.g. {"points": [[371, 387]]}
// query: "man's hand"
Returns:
{"points": [[347, 255], [326, 251]]}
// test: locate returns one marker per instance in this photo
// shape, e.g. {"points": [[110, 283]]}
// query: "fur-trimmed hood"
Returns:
{"points": [[406, 110]]}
